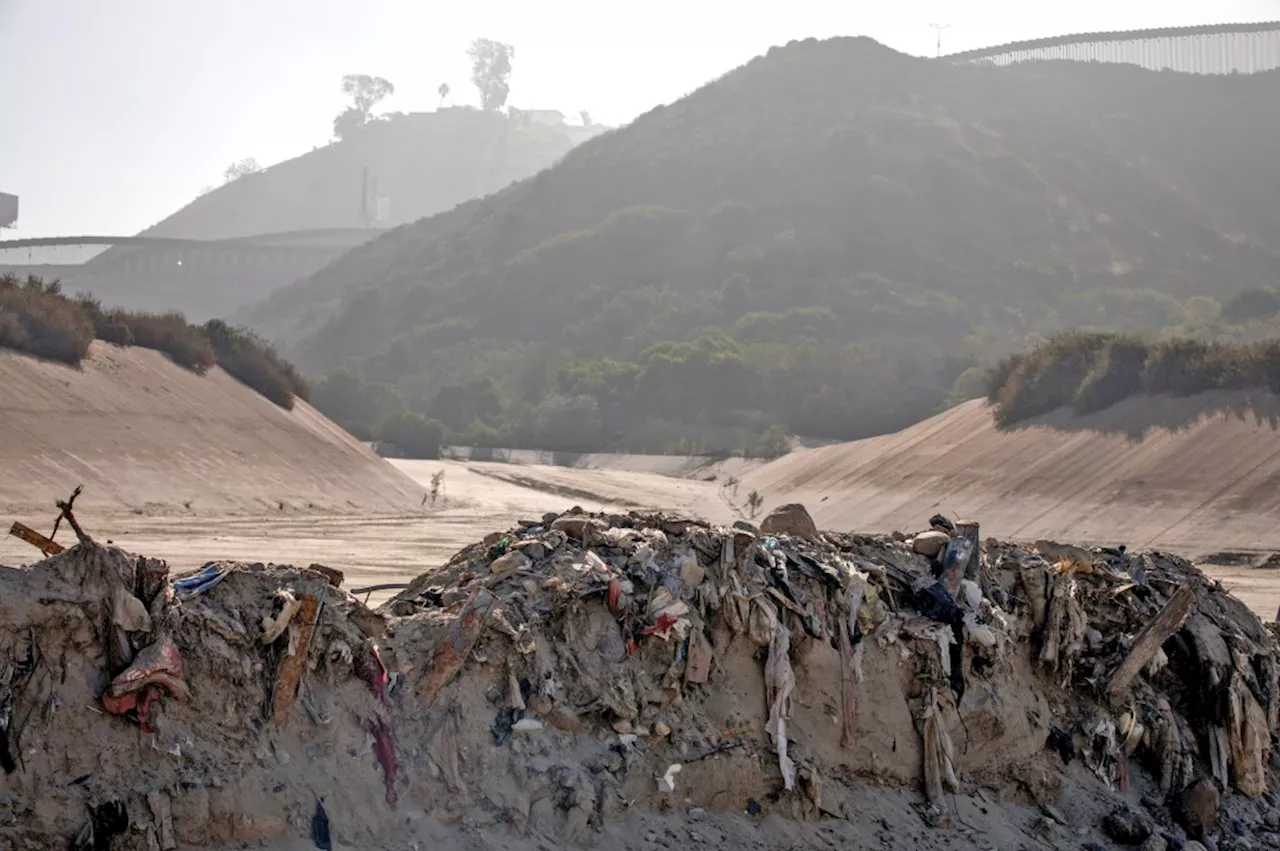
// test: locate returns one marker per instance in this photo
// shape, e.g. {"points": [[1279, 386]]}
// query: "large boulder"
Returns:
{"points": [[791, 519]]}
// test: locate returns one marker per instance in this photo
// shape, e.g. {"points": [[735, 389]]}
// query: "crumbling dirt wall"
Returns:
{"points": [[581, 668]]}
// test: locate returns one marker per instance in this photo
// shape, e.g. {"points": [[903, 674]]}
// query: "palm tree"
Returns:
{"points": [[444, 92]]}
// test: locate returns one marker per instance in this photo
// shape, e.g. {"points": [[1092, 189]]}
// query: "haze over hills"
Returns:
{"points": [[423, 163], [419, 163], [833, 240]]}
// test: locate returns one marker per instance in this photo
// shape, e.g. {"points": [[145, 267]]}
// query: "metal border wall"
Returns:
{"points": [[1218, 49]]}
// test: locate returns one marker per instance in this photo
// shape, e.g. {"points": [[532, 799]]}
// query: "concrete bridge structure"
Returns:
{"points": [[202, 278]]}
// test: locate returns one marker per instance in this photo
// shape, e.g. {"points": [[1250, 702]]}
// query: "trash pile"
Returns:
{"points": [[582, 667]]}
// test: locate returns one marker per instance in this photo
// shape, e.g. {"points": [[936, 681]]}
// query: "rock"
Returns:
{"points": [[930, 544], [535, 550], [1155, 843], [744, 526], [582, 529], [1127, 826], [1192, 845], [331, 574], [790, 519], [1054, 553], [1196, 808], [513, 560]]}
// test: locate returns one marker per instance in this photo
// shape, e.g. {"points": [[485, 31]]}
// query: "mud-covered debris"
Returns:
{"points": [[157, 669], [1127, 826], [1195, 808], [561, 673]]}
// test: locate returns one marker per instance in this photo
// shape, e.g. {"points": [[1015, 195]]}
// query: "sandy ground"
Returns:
{"points": [[194, 468], [475, 499]]}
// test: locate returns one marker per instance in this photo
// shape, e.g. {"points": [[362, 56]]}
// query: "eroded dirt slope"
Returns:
{"points": [[141, 433], [1195, 474]]}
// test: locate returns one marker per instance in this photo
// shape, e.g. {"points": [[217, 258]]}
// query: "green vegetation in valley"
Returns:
{"points": [[1090, 371], [834, 241], [37, 319]]}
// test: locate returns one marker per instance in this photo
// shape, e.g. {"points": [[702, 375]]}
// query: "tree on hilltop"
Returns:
{"points": [[244, 167], [443, 91], [491, 71], [366, 92]]}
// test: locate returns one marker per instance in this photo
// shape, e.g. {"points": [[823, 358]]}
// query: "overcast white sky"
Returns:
{"points": [[114, 113]]}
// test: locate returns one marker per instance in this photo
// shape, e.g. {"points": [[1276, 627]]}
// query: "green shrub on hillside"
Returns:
{"points": [[1092, 371], [37, 319], [252, 360]]}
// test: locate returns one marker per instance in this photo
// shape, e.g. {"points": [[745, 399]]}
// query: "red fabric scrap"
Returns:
{"points": [[369, 668], [384, 747], [157, 668], [615, 594], [661, 625]]}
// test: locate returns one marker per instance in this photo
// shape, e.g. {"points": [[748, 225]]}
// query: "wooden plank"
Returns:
{"points": [[291, 667], [1148, 641], [48, 546]]}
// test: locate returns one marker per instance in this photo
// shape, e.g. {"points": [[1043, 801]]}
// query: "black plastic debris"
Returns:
{"points": [[503, 725], [320, 827], [1063, 744], [935, 602], [106, 822]]}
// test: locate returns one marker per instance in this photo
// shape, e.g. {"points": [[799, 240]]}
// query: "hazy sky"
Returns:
{"points": [[114, 113]]}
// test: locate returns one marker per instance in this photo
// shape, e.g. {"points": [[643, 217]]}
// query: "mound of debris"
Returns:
{"points": [[582, 668]]}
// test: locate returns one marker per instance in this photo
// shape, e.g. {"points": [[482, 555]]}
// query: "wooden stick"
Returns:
{"points": [[386, 586], [291, 667], [1148, 641], [65, 508]]}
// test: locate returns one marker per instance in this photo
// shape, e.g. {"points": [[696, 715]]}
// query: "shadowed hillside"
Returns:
{"points": [[833, 240]]}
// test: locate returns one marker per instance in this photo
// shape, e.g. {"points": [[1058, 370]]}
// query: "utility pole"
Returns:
{"points": [[939, 28]]}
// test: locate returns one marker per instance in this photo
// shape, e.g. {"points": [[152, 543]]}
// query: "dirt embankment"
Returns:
{"points": [[142, 434], [637, 681], [1193, 474]]}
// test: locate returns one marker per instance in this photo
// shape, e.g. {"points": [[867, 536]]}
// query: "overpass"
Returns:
{"points": [[203, 278], [1215, 49]]}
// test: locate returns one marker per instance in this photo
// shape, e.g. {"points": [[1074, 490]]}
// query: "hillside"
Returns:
{"points": [[420, 163], [833, 239], [1196, 473], [143, 434], [423, 163]]}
